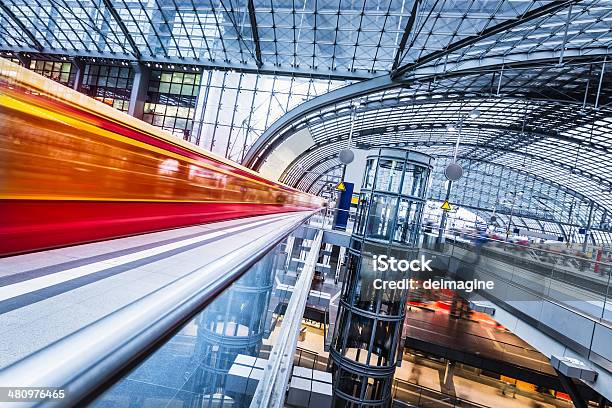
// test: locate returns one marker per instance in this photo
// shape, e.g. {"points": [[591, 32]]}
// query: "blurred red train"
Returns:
{"points": [[74, 170]]}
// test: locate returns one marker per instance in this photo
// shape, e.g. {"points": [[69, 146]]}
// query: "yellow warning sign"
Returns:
{"points": [[446, 206], [341, 186]]}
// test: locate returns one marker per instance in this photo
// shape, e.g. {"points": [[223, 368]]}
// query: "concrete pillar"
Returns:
{"points": [[138, 93]]}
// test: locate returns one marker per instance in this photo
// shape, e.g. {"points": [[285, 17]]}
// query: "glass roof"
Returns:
{"points": [[551, 140], [538, 71], [358, 38]]}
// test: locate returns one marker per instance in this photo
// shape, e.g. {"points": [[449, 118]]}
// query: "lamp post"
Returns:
{"points": [[514, 197], [453, 171]]}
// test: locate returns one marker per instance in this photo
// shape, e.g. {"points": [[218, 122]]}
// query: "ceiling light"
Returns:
{"points": [[474, 114]]}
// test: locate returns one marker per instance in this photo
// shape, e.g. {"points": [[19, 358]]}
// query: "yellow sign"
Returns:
{"points": [[341, 186], [446, 206]]}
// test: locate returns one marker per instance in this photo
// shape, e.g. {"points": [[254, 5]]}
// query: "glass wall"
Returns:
{"points": [[59, 71], [109, 84], [171, 101], [194, 368], [233, 108], [238, 107], [393, 212]]}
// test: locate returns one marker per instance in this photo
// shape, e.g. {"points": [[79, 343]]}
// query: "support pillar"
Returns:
{"points": [[200, 112], [444, 213], [448, 385], [138, 93], [24, 59], [571, 390], [79, 65], [588, 228], [343, 207]]}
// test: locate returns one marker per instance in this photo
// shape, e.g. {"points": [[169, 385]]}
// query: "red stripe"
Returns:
{"points": [[30, 225]]}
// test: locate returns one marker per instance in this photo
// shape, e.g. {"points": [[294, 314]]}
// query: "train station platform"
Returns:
{"points": [[67, 311]]}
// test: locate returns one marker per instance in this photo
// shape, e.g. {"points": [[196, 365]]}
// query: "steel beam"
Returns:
{"points": [[338, 75], [255, 32], [113, 11], [593, 55], [406, 35], [517, 60], [505, 26], [37, 45]]}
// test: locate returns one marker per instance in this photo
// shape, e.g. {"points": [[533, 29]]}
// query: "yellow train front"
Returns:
{"points": [[75, 170]]}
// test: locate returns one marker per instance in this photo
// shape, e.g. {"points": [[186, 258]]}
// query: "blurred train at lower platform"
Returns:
{"points": [[74, 170]]}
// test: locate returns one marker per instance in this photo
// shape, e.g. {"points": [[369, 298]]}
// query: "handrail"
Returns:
{"points": [[421, 388], [85, 362], [270, 392], [523, 247]]}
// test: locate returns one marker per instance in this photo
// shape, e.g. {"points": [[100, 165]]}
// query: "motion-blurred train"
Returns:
{"points": [[75, 170]]}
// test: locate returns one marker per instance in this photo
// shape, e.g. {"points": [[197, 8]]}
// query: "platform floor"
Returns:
{"points": [[473, 337], [45, 296]]}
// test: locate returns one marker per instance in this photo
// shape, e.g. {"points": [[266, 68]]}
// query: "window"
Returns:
{"points": [[109, 84], [58, 71], [171, 101]]}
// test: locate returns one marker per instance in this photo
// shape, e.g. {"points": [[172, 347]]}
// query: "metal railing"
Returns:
{"points": [[271, 389], [423, 397], [574, 280], [88, 361], [309, 359]]}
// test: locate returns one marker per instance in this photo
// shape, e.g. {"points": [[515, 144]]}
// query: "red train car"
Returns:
{"points": [[75, 170]]}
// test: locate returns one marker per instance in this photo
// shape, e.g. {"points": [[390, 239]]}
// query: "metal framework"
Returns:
{"points": [[503, 27], [113, 12], [253, 19], [7, 10], [537, 70]]}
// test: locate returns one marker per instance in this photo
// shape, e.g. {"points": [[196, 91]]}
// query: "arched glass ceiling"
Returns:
{"points": [[539, 124], [355, 39], [556, 141]]}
